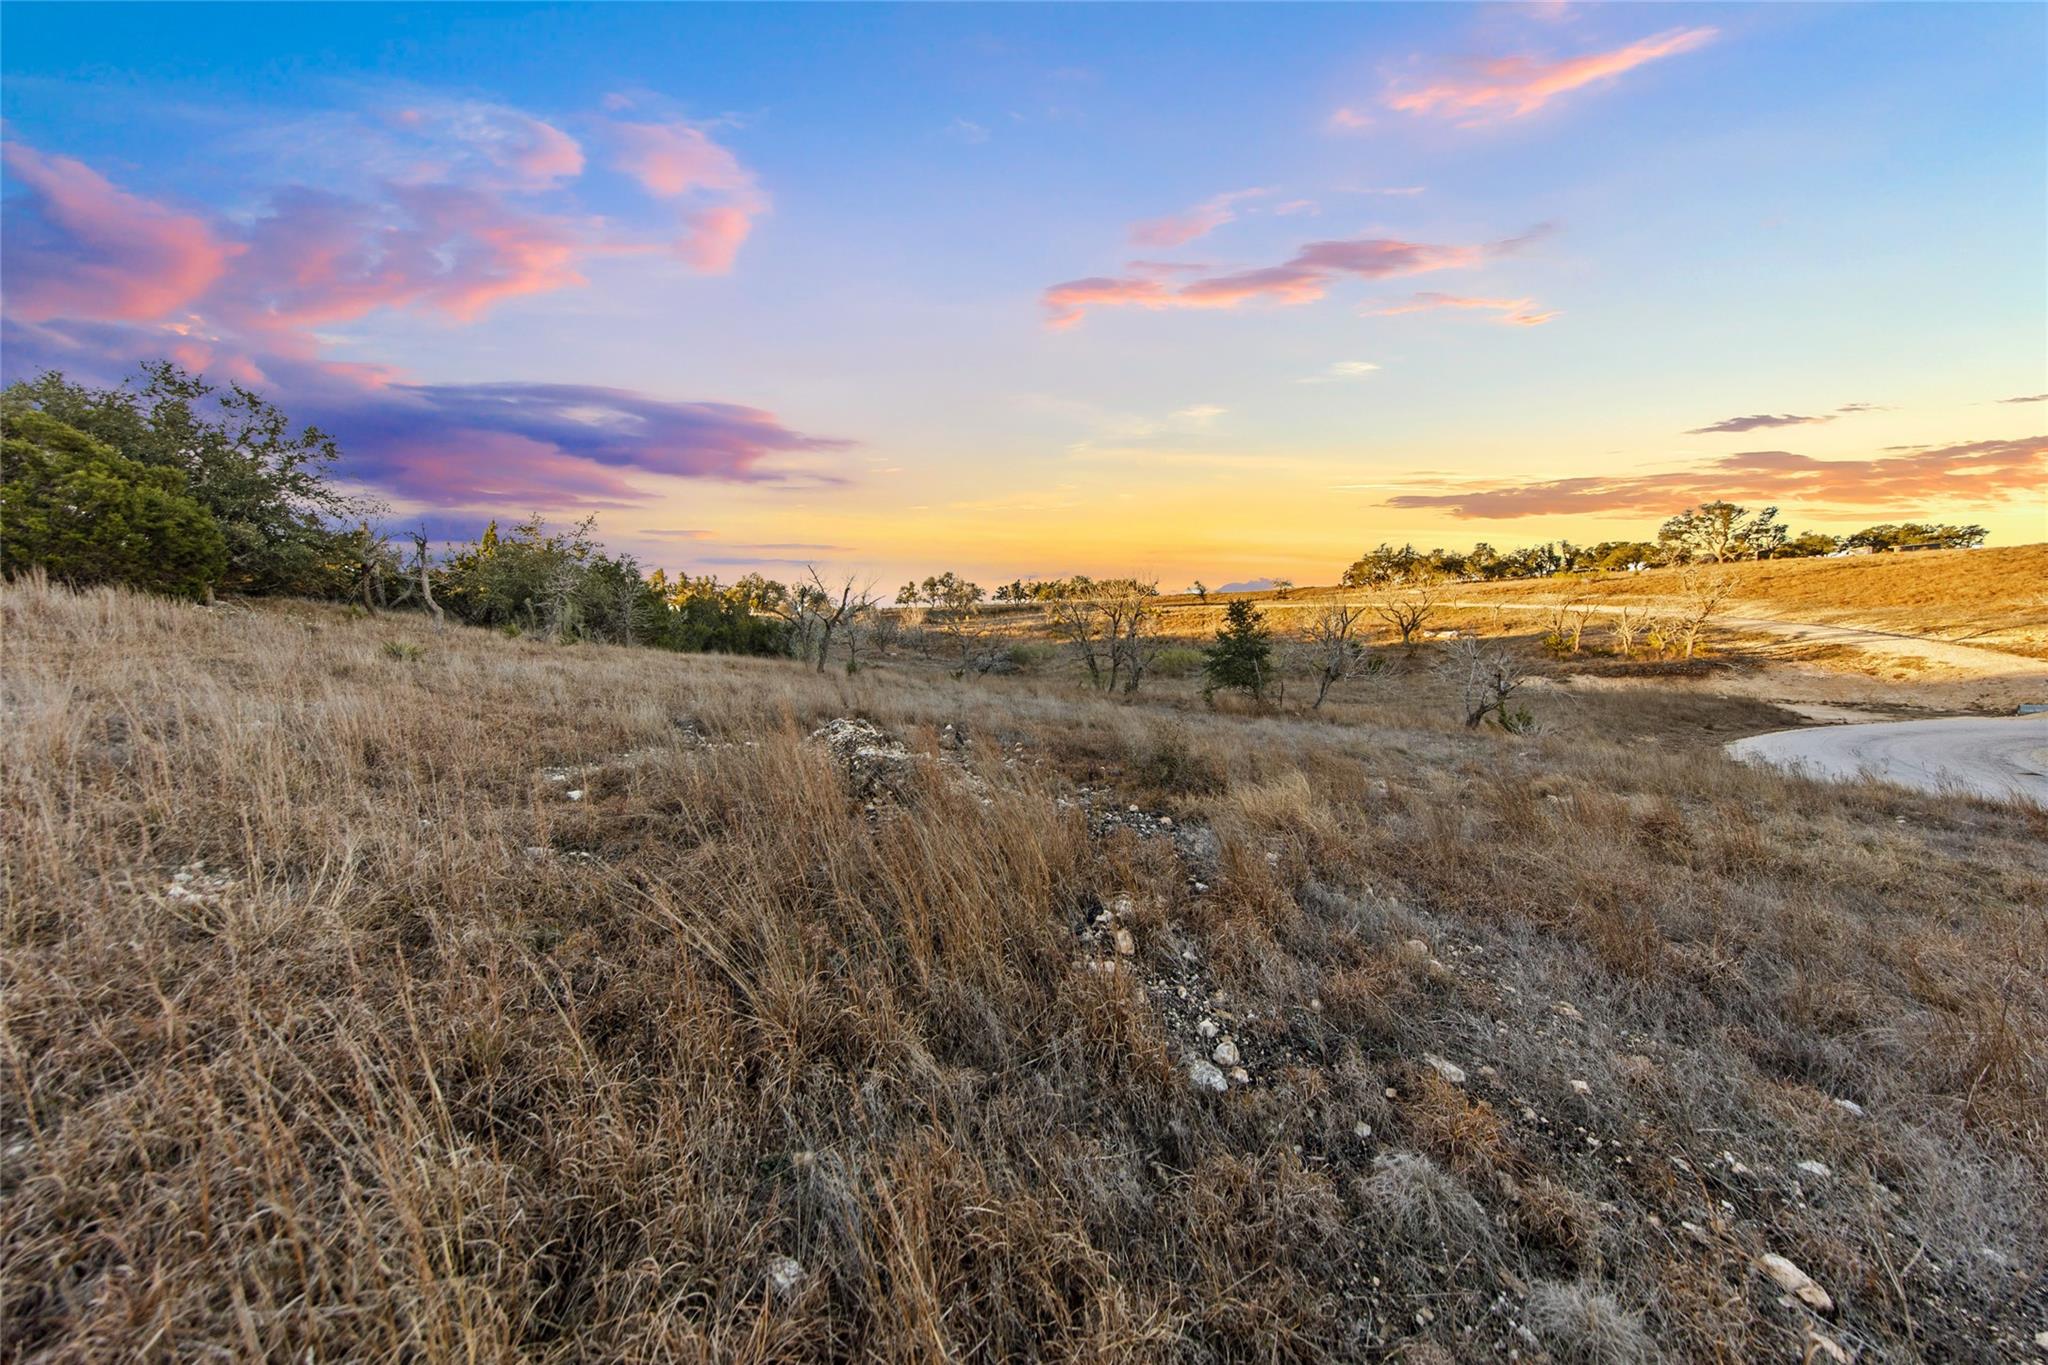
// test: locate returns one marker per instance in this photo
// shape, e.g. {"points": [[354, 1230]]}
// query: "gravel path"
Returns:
{"points": [[2002, 757]]}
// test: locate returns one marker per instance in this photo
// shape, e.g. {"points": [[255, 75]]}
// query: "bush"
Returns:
{"points": [[85, 515], [1168, 763], [1178, 662], [1028, 657]]}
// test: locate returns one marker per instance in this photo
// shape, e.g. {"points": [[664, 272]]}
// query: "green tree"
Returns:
{"points": [[265, 483], [76, 509], [1241, 658]]}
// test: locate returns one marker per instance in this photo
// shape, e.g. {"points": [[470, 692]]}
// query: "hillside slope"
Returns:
{"points": [[384, 994]]}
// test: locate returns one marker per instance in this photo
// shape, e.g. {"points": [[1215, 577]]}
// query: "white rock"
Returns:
{"points": [[1851, 1107], [1450, 1071], [1818, 1168], [1207, 1028], [576, 796], [785, 1273], [1361, 1129], [1134, 810], [1243, 1077], [1225, 1053], [1125, 944], [1206, 1077], [1795, 1281], [1819, 1347], [1581, 1088], [1124, 905]]}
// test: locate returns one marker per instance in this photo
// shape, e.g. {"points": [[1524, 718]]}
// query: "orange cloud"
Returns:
{"points": [[1968, 473], [1305, 277], [82, 247], [1514, 312], [1515, 87]]}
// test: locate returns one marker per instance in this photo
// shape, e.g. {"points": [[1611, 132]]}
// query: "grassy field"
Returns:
{"points": [[1993, 598], [373, 993]]}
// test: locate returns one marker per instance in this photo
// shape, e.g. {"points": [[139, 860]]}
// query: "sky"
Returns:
{"points": [[1218, 292]]}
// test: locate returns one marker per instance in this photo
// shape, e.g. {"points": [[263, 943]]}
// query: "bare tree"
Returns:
{"points": [[426, 573], [1129, 618], [1110, 626], [1488, 675], [1333, 646], [823, 612], [1629, 620], [1702, 594], [1568, 617], [1408, 604]]}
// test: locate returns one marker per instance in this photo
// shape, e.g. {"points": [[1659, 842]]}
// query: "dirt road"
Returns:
{"points": [[2002, 757]]}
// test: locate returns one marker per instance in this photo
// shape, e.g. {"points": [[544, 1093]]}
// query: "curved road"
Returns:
{"points": [[2001, 757]]}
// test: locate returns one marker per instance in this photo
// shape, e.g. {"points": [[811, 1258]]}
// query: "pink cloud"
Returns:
{"points": [[1304, 278], [1349, 120], [320, 258], [671, 159], [713, 237], [1515, 87], [1974, 472], [1178, 229], [1513, 312], [82, 247]]}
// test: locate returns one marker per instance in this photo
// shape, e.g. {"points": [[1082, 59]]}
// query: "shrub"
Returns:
{"points": [[1169, 764], [1028, 657], [84, 514], [1177, 662]]}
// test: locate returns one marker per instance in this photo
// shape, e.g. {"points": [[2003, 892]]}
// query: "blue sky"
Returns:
{"points": [[821, 250]]}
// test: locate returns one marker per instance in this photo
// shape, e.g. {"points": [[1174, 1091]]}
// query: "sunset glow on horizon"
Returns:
{"points": [[1211, 292]]}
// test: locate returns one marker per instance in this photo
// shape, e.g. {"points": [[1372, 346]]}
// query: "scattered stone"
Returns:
{"points": [[1207, 1028], [1450, 1071], [1581, 1088], [1569, 1011], [1818, 1346], [1851, 1108], [575, 796], [785, 1274], [1125, 944], [1361, 1129], [1206, 1077], [1816, 1168], [1225, 1053], [1796, 1282], [1243, 1077]]}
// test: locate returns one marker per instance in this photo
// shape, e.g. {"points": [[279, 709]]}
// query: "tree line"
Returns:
{"points": [[1713, 532]]}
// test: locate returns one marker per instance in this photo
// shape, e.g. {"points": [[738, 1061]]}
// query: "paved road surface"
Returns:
{"points": [[2001, 757]]}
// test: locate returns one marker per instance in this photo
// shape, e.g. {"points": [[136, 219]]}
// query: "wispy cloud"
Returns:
{"points": [[1178, 229], [1512, 312], [1756, 422], [1975, 472], [1341, 370], [1303, 278], [1518, 86], [2027, 398], [967, 131]]}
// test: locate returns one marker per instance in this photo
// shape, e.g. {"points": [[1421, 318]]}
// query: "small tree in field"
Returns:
{"points": [[1408, 604], [1333, 646], [1241, 658], [1487, 677]]}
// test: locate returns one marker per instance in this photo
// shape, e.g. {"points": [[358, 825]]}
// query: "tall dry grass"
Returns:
{"points": [[335, 1029]]}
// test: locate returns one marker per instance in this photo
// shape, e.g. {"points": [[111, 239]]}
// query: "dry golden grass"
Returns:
{"points": [[1995, 598], [728, 1059]]}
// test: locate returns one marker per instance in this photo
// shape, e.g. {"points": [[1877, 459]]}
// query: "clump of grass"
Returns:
{"points": [[405, 651], [1582, 1323]]}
